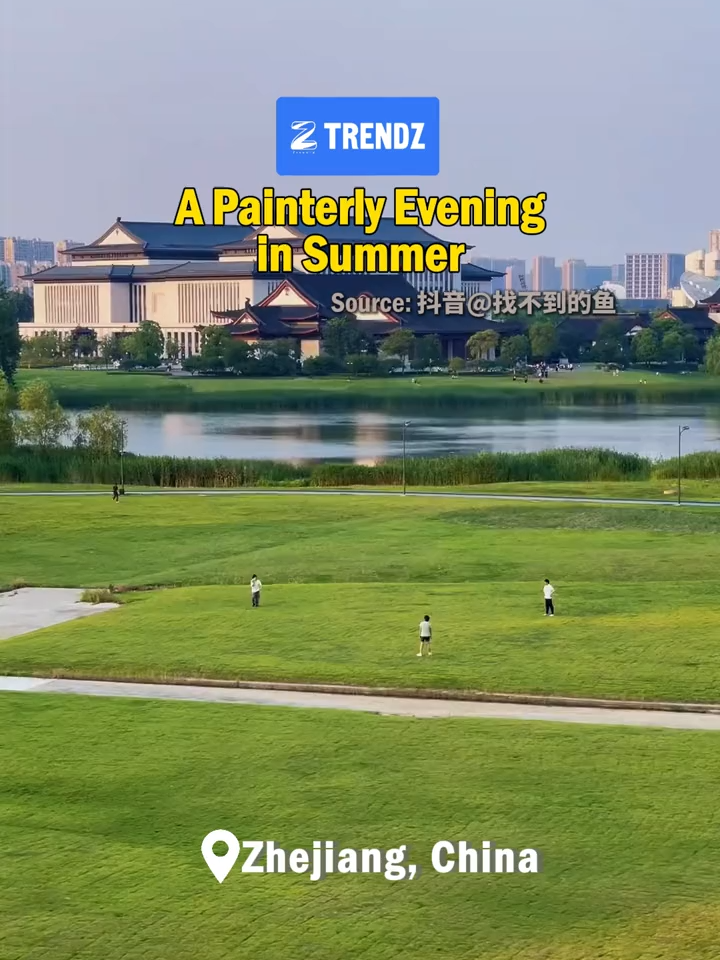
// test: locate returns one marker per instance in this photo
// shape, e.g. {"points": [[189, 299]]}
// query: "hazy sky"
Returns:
{"points": [[610, 106]]}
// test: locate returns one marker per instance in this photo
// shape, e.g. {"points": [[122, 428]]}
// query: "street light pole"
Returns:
{"points": [[681, 431], [123, 426], [406, 424]]}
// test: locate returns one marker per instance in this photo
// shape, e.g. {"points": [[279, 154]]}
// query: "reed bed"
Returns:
{"points": [[67, 466]]}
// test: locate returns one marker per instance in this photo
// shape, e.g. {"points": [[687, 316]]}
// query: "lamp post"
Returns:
{"points": [[123, 430], [406, 424], [681, 431]]}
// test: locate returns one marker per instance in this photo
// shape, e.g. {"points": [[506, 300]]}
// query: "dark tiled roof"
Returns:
{"points": [[270, 313], [189, 269], [268, 324], [320, 287], [387, 232], [158, 236], [694, 317], [451, 324], [185, 236], [471, 271], [591, 324]]}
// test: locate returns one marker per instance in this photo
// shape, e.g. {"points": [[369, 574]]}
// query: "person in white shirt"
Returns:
{"points": [[255, 588], [548, 593], [425, 636]]}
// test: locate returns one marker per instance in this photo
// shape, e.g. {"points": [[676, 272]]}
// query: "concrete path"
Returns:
{"points": [[396, 706], [31, 608], [305, 492]]}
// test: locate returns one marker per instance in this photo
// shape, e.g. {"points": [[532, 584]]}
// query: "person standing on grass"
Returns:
{"points": [[255, 588], [116, 492], [425, 636], [549, 593]]}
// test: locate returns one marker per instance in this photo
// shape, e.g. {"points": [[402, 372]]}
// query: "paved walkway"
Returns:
{"points": [[305, 492], [32, 608], [396, 706]]}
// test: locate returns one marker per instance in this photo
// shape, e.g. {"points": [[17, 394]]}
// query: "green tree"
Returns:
{"points": [[481, 343], [43, 348], [102, 431], [647, 346], [677, 341], [428, 351], [363, 364], [172, 350], [111, 348], [213, 346], [7, 426], [611, 343], [514, 349], [400, 343], [44, 423], [456, 365], [11, 312], [672, 346], [192, 364], [146, 345], [543, 339], [342, 337], [238, 356], [712, 355]]}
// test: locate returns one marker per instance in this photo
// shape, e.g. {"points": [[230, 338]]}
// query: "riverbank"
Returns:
{"points": [[164, 392]]}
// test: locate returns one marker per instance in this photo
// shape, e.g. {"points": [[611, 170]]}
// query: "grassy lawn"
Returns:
{"points": [[348, 579], [104, 805], [158, 391], [609, 640], [190, 540]]}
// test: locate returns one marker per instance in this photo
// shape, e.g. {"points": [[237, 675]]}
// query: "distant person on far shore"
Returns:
{"points": [[255, 588], [549, 593], [116, 492], [425, 636]]}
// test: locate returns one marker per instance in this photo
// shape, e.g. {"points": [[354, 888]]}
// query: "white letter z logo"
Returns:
{"points": [[301, 142]]}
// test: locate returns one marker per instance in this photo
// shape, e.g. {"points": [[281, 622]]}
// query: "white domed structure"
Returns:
{"points": [[617, 289]]}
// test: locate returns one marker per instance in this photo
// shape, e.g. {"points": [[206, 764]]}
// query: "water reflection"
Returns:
{"points": [[366, 438]]}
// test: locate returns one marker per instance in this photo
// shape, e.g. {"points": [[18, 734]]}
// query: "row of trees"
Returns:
{"points": [[143, 347], [15, 308], [34, 417]]}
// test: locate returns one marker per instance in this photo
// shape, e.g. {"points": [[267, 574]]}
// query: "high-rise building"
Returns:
{"points": [[714, 241], [650, 276], [617, 273], [517, 268], [596, 276], [545, 275], [19, 250], [6, 277], [574, 275], [60, 251]]}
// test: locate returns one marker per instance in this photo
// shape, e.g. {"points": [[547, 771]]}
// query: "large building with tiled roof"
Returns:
{"points": [[187, 277], [302, 304]]}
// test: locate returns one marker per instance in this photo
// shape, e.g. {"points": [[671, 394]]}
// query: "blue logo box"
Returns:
{"points": [[358, 136]]}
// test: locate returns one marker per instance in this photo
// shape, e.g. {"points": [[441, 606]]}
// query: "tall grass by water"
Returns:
{"points": [[66, 465]]}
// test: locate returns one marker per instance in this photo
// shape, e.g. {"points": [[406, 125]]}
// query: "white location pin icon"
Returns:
{"points": [[220, 866]]}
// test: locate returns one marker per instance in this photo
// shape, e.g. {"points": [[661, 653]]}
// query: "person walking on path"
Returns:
{"points": [[425, 636], [255, 588], [116, 493], [549, 593]]}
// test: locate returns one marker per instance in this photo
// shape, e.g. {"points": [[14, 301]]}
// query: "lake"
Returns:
{"points": [[364, 437]]}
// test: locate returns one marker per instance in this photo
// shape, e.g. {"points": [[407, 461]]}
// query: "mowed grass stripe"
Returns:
{"points": [[204, 540], [633, 641], [104, 805]]}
